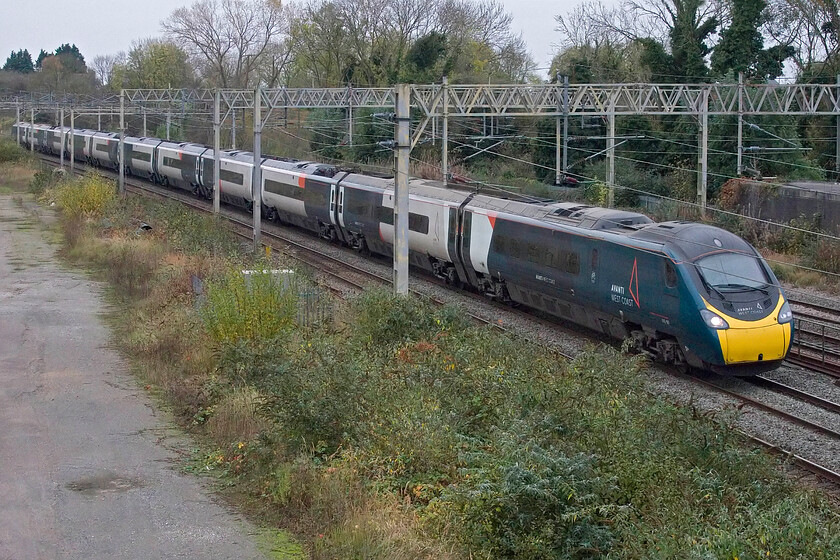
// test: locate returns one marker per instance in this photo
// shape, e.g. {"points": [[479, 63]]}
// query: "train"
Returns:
{"points": [[684, 293]]}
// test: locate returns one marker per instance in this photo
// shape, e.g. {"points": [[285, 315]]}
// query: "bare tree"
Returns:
{"points": [[230, 39], [811, 27], [103, 65], [592, 22]]}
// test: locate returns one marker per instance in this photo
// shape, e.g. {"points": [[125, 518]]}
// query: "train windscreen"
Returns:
{"points": [[732, 272]]}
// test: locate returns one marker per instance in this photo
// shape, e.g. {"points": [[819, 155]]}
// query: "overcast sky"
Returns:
{"points": [[98, 27]]}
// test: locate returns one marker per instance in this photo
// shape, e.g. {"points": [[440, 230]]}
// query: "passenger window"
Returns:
{"points": [[514, 248], [533, 253], [670, 275], [573, 263]]}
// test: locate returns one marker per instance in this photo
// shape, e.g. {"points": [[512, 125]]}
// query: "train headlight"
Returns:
{"points": [[713, 320], [785, 314]]}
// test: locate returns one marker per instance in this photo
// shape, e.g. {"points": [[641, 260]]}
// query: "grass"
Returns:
{"points": [[399, 431]]}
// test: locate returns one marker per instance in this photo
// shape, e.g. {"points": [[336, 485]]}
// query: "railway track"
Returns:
{"points": [[354, 278], [816, 344]]}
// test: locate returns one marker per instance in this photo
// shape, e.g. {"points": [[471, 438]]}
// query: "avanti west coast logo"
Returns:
{"points": [[629, 296]]}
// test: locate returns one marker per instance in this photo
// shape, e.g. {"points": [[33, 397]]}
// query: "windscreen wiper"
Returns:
{"points": [[711, 288], [743, 288]]}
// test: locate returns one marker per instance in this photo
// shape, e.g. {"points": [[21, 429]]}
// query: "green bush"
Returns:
{"points": [[192, 232], [43, 180], [385, 322]]}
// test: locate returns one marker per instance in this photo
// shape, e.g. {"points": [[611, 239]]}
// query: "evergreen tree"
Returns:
{"points": [[41, 56], [20, 61], [741, 47], [688, 38], [71, 59]]}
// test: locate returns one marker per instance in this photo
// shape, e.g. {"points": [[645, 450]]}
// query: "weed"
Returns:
{"points": [[43, 180], [87, 197], [254, 306], [235, 418]]}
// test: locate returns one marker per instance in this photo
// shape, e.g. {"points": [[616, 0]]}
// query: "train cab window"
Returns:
{"points": [[670, 275], [732, 272]]}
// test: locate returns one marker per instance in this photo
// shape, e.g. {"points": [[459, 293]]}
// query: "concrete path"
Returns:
{"points": [[88, 468]]}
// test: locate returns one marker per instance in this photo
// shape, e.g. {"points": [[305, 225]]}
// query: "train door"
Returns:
{"points": [[199, 179], [465, 227], [453, 243], [670, 303], [337, 208]]}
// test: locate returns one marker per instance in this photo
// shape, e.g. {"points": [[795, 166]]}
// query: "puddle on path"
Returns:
{"points": [[105, 483]]}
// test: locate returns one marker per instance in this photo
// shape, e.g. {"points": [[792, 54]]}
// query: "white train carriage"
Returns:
{"points": [[58, 140], [103, 149], [178, 164], [431, 225], [236, 177], [40, 136], [140, 157], [81, 143], [283, 190]]}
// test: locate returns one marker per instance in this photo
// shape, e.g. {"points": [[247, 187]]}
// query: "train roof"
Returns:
{"points": [[693, 240], [144, 140], [572, 214]]}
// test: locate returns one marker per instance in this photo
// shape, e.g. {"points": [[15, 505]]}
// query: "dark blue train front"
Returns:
{"points": [[685, 293]]}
